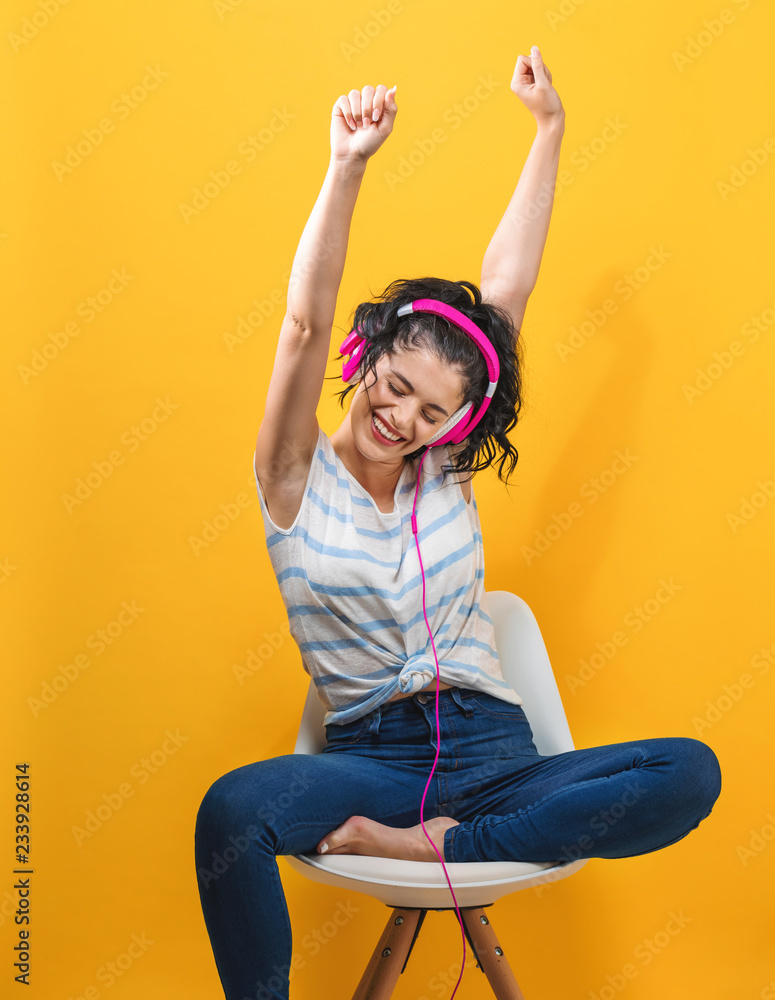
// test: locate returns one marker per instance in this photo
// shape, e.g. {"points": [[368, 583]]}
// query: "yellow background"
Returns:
{"points": [[223, 73]]}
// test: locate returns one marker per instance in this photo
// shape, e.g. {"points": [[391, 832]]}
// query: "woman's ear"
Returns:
{"points": [[459, 416]]}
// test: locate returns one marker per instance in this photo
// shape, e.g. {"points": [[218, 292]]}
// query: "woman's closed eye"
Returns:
{"points": [[397, 392]]}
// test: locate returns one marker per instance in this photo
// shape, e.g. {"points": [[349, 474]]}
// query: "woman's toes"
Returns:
{"points": [[327, 843], [338, 838]]}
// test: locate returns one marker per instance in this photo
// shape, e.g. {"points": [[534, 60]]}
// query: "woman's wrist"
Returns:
{"points": [[552, 124], [348, 166]]}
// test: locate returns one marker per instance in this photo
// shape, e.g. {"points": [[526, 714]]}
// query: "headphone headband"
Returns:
{"points": [[468, 326], [458, 426]]}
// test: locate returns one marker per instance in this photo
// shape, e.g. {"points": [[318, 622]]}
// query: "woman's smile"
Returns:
{"points": [[383, 433]]}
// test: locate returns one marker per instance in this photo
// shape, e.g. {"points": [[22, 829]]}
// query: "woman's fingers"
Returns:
{"points": [[390, 100], [540, 70], [532, 69], [367, 105], [342, 107], [354, 97], [378, 102], [359, 108], [523, 71], [532, 83]]}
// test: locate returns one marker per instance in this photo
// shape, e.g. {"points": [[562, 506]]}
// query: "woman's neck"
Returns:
{"points": [[379, 479]]}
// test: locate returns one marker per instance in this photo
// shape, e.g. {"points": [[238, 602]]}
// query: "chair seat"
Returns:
{"points": [[422, 883]]}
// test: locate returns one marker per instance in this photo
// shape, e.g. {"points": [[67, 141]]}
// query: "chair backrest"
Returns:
{"points": [[524, 664]]}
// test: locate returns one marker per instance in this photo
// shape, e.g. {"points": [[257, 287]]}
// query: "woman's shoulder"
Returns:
{"points": [[283, 495], [438, 472], [442, 472]]}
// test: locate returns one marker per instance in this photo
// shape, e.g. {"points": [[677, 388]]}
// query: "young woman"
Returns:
{"points": [[338, 513]]}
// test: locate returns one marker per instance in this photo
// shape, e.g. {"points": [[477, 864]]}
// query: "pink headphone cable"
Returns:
{"points": [[438, 732], [455, 430]]}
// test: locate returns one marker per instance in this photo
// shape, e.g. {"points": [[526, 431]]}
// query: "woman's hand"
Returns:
{"points": [[354, 133], [532, 83]]}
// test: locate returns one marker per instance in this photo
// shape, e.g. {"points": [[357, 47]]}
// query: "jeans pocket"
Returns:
{"points": [[488, 704], [347, 734], [504, 728]]}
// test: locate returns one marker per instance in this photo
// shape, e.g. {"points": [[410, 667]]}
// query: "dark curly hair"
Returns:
{"points": [[384, 331]]}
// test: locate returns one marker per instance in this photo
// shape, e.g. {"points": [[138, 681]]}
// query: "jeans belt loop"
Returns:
{"points": [[376, 719], [458, 699]]}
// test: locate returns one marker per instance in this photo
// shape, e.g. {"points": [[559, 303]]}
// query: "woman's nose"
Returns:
{"points": [[403, 419]]}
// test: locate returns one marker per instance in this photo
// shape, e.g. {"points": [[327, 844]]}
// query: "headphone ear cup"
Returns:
{"points": [[354, 345], [445, 432]]}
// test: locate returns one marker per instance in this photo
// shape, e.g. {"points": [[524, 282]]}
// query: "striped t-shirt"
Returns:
{"points": [[350, 579]]}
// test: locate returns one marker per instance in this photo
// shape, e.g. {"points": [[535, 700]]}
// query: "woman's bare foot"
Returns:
{"points": [[360, 835]]}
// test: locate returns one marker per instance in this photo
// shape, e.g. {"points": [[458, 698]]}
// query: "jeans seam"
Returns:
{"points": [[452, 833], [496, 821]]}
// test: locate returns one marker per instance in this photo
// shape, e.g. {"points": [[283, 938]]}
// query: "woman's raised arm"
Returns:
{"points": [[288, 431], [319, 262], [513, 257]]}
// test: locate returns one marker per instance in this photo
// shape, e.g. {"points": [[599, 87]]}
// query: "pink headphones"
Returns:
{"points": [[458, 426]]}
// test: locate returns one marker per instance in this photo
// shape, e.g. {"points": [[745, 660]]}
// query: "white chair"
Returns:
{"points": [[412, 888]]}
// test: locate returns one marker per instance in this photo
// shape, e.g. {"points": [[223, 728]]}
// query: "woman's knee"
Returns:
{"points": [[224, 807], [701, 772], [253, 801]]}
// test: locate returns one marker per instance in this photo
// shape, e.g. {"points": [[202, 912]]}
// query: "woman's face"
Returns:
{"points": [[412, 396]]}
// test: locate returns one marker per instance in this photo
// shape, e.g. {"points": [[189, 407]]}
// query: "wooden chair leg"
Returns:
{"points": [[490, 954], [385, 965]]}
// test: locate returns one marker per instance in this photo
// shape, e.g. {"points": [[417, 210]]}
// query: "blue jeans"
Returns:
{"points": [[512, 804]]}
